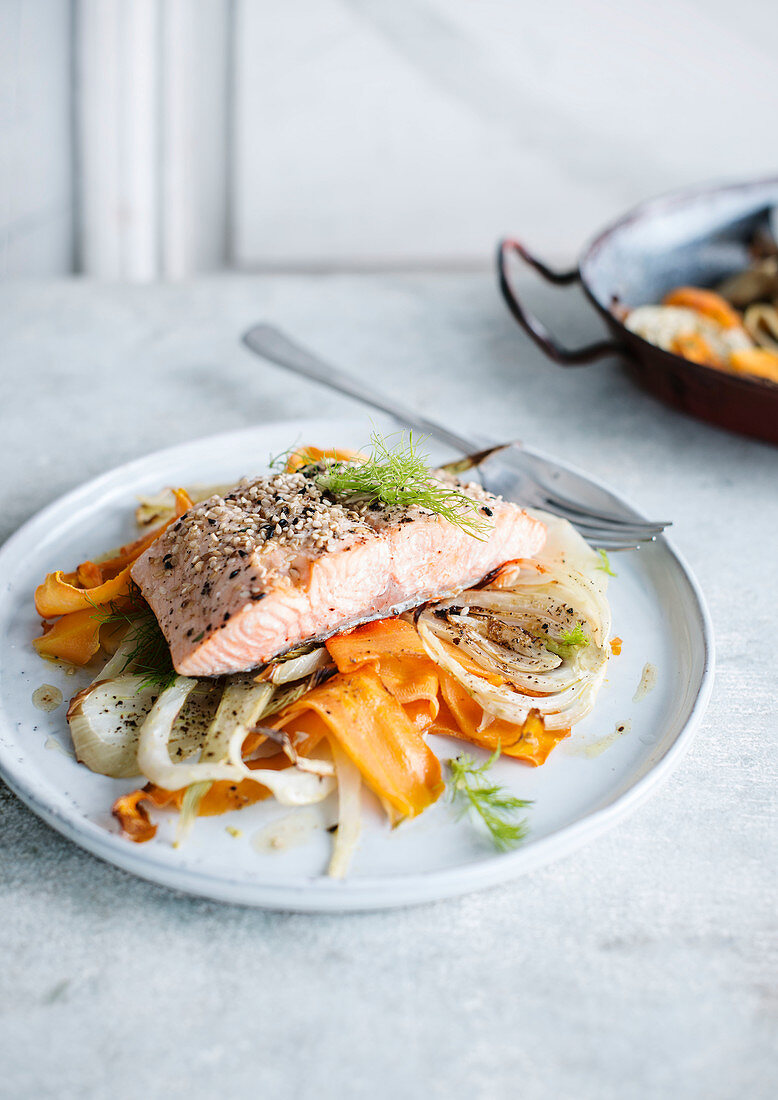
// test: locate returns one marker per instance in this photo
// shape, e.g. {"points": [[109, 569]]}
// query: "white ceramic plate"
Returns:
{"points": [[588, 783]]}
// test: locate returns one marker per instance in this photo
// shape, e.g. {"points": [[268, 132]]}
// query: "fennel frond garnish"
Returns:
{"points": [[605, 564], [567, 643], [494, 805], [149, 655], [400, 477], [574, 637]]}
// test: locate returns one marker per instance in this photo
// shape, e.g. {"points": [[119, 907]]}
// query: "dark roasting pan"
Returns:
{"points": [[698, 237]]}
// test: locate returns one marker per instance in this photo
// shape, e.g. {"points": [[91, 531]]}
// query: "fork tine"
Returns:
{"points": [[558, 503], [615, 542], [533, 491], [562, 490], [597, 532], [593, 531], [593, 527]]}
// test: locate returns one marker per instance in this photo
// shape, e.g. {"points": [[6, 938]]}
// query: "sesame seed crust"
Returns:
{"points": [[231, 550], [287, 511]]}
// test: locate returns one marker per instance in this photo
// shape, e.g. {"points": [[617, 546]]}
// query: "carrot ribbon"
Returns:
{"points": [[386, 693], [74, 599], [374, 731], [707, 302]]}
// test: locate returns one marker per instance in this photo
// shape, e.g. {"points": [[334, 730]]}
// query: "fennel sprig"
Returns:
{"points": [[567, 643], [149, 655], [574, 637], [472, 792], [400, 477], [605, 563]]}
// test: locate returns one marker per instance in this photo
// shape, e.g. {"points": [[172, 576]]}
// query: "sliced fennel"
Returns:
{"points": [[190, 807], [105, 721], [296, 668], [349, 812], [540, 625], [291, 787], [242, 704]]}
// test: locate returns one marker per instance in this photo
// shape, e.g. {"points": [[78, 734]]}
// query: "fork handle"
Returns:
{"points": [[270, 343]]}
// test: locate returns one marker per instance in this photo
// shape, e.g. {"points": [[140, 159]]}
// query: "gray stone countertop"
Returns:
{"points": [[644, 965]]}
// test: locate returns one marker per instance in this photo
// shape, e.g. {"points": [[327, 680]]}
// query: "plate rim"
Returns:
{"points": [[317, 893]]}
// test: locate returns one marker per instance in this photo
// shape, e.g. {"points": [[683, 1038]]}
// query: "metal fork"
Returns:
{"points": [[510, 471]]}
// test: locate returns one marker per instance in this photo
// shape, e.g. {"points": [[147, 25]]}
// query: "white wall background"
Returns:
{"points": [[153, 91], [369, 131], [36, 137], [352, 133]]}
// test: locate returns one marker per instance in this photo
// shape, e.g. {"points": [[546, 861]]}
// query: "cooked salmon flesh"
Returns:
{"points": [[277, 561]]}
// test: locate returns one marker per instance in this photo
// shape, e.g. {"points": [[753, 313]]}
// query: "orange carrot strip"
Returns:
{"points": [[462, 716], [62, 593], [304, 456], [224, 796], [758, 361], [74, 638], [56, 597], [706, 302], [394, 648], [692, 346], [133, 817], [88, 575], [375, 732], [374, 641]]}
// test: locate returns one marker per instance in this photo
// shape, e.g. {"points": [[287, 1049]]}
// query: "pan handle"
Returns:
{"points": [[535, 328]]}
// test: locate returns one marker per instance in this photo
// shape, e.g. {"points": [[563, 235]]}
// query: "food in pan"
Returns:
{"points": [[733, 329], [304, 632]]}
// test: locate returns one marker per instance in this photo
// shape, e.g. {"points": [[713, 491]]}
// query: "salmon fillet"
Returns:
{"points": [[277, 561]]}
